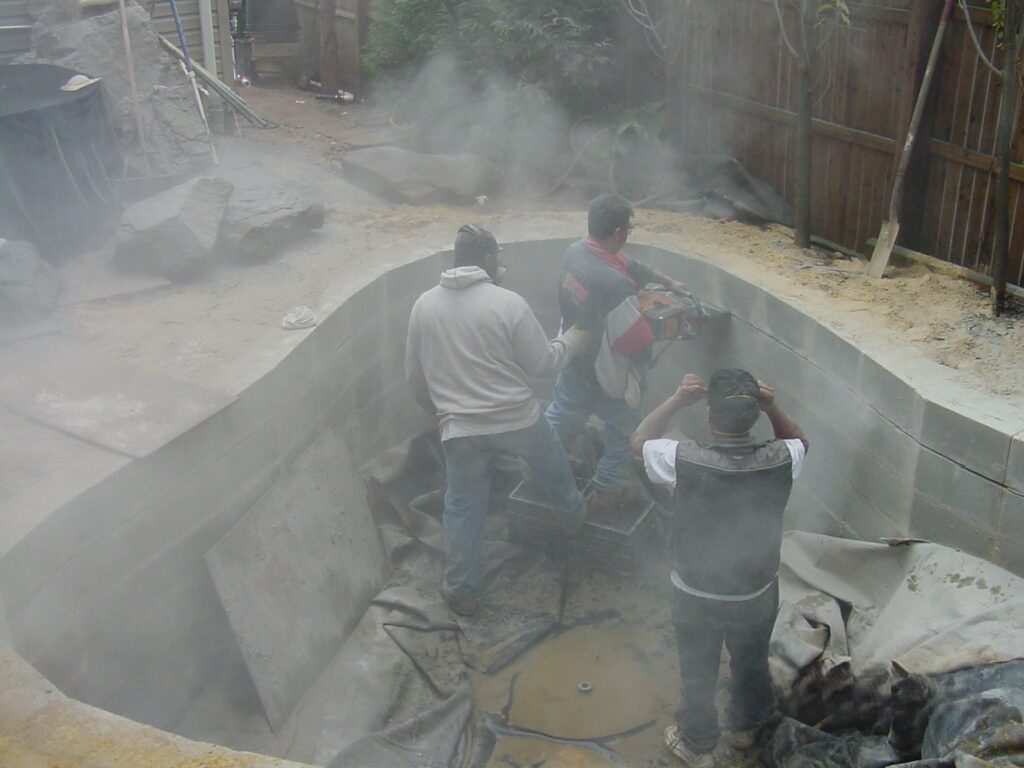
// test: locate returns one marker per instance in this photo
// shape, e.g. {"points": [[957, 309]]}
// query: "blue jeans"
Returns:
{"points": [[469, 462], [576, 399], [702, 627]]}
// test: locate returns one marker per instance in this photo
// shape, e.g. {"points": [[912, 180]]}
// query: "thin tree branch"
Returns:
{"points": [[642, 16], [782, 29], [976, 41]]}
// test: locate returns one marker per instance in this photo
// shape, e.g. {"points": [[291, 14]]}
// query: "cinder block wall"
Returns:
{"points": [[897, 449], [110, 597]]}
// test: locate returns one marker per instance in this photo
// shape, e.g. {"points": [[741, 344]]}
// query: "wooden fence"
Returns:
{"points": [[735, 83]]}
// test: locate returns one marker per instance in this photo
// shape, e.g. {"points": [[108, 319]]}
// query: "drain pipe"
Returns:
{"points": [[206, 35]]}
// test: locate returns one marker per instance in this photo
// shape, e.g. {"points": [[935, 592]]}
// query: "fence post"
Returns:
{"points": [[924, 21]]}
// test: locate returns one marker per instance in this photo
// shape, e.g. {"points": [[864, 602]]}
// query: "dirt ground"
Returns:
{"points": [[200, 331]]}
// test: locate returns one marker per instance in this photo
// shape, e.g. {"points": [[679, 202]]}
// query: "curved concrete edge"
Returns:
{"points": [[40, 726], [109, 596]]}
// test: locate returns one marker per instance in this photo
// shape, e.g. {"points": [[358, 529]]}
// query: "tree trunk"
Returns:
{"points": [[804, 128], [1005, 131], [328, 46]]}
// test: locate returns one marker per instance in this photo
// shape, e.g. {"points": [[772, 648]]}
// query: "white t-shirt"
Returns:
{"points": [[660, 459]]}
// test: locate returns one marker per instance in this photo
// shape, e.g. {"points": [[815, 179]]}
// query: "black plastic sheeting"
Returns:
{"points": [[965, 719], [58, 157]]}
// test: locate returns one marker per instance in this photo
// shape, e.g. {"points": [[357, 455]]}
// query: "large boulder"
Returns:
{"points": [[259, 222], [176, 139], [28, 285], [174, 233], [409, 177]]}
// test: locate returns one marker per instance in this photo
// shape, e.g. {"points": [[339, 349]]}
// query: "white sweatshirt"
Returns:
{"points": [[472, 350]]}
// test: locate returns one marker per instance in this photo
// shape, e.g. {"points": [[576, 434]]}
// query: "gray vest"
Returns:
{"points": [[729, 502]]}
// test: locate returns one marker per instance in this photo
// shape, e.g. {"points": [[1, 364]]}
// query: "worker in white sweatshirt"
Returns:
{"points": [[473, 348]]}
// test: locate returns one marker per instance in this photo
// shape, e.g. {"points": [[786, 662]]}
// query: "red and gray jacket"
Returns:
{"points": [[597, 292]]}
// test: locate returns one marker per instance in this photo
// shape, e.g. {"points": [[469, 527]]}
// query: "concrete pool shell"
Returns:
{"points": [[109, 595]]}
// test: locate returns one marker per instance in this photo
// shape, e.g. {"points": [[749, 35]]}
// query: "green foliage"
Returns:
{"points": [[562, 45], [403, 33], [834, 10]]}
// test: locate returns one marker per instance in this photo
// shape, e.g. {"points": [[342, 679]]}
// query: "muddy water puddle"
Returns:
{"points": [[617, 641]]}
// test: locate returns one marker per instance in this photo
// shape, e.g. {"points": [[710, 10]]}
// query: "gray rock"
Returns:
{"points": [[410, 177], [173, 233], [259, 222], [28, 285], [175, 136]]}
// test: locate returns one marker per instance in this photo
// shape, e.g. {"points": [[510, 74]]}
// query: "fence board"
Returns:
{"points": [[738, 84]]}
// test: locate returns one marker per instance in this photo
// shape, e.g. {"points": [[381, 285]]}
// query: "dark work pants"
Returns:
{"points": [[702, 626]]}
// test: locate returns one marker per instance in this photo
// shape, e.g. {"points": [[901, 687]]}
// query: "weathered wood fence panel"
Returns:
{"points": [[736, 83]]}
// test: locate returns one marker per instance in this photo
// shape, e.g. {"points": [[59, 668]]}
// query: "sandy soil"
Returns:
{"points": [[201, 331]]}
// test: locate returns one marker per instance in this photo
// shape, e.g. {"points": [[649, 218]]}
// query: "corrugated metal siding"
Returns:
{"points": [[15, 29]]}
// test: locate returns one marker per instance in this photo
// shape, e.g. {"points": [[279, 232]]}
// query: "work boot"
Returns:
{"points": [[689, 758], [460, 602]]}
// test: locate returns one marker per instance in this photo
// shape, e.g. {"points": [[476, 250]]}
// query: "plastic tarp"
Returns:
{"points": [[58, 156], [897, 650]]}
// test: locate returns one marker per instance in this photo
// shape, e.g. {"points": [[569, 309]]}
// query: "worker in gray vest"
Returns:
{"points": [[728, 500]]}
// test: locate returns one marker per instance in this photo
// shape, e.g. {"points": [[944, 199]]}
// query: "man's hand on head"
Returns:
{"points": [[766, 396], [691, 389]]}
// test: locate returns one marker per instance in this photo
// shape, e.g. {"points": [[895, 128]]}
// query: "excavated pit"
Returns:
{"points": [[111, 596]]}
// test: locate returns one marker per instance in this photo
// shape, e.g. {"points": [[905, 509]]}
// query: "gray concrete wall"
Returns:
{"points": [[109, 596], [897, 449]]}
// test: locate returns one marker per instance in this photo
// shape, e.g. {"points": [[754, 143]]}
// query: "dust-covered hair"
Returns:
{"points": [[607, 213], [733, 400]]}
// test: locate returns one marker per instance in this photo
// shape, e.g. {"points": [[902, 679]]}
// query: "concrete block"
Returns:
{"points": [[1010, 555], [1015, 464], [782, 368], [743, 346], [806, 512], [297, 423], [888, 494], [890, 396], [788, 325], [889, 445], [972, 496], [405, 283], [831, 402], [333, 380], [970, 442], [935, 522], [745, 300], [1011, 516], [835, 356]]}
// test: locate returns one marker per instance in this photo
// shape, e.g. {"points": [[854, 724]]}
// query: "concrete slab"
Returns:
{"points": [[40, 470], [297, 572], [61, 383]]}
